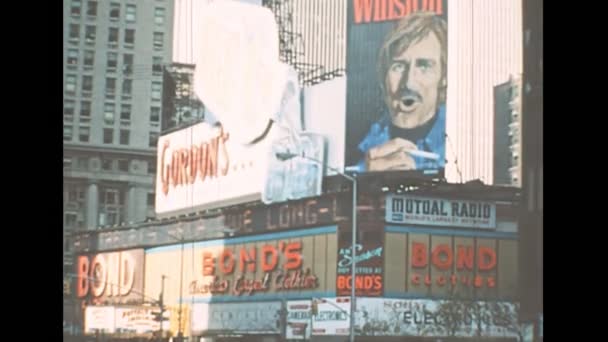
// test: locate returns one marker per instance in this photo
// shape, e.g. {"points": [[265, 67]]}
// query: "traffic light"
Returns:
{"points": [[157, 316], [160, 315]]}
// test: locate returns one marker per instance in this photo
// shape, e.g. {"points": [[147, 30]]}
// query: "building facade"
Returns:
{"points": [[114, 53]]}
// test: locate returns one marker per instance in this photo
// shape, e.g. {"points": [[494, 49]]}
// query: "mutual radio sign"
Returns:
{"points": [[440, 212]]}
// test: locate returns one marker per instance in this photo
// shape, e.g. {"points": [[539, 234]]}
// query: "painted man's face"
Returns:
{"points": [[412, 83]]}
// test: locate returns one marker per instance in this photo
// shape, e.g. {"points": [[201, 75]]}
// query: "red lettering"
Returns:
{"points": [[193, 165], [82, 273], [247, 259], [223, 137], [487, 258], [464, 258], [416, 279], [227, 255], [183, 163], [293, 255], [419, 255], [202, 168], [441, 281], [491, 282], [478, 281], [208, 264], [164, 171], [98, 267], [362, 10], [437, 260], [271, 251], [377, 283], [379, 10], [427, 280]]}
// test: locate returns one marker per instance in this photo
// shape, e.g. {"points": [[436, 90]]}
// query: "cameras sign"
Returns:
{"points": [[440, 212]]}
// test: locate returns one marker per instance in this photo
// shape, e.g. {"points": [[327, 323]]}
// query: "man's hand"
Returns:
{"points": [[391, 155]]}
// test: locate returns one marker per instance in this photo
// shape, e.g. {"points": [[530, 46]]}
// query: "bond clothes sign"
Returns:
{"points": [[299, 320], [400, 317], [115, 277], [202, 165], [440, 212], [249, 318]]}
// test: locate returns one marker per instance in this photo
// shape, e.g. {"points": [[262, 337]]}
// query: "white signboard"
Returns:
{"points": [[402, 317], [99, 318], [440, 212], [246, 318], [332, 316], [137, 320], [203, 166], [299, 320]]}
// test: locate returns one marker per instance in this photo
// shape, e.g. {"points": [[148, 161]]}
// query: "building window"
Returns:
{"points": [[70, 84], [108, 113], [126, 87], [127, 64], [67, 164], [72, 57], [92, 8], [114, 11], [84, 133], [156, 90], [151, 167], [85, 111], [130, 13], [125, 112], [159, 15], [112, 60], [123, 165], [124, 137], [153, 139], [82, 163], [74, 32], [113, 36], [87, 83], [110, 86], [129, 36], [67, 133], [89, 57], [108, 136], [158, 41], [157, 65], [68, 108], [69, 220], [106, 164], [150, 199], [155, 114], [90, 34], [75, 8]]}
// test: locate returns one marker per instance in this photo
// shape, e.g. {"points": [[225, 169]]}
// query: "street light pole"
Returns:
{"points": [[353, 271], [161, 304]]}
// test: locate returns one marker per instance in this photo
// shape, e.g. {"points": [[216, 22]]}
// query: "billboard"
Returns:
{"points": [[113, 277], [450, 265], [402, 317], [137, 320], [440, 212], [203, 165], [396, 86], [332, 316], [271, 266], [369, 257], [99, 318], [250, 318], [299, 320]]}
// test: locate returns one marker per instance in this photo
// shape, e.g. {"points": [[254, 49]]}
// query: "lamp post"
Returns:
{"points": [[286, 156], [181, 239]]}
